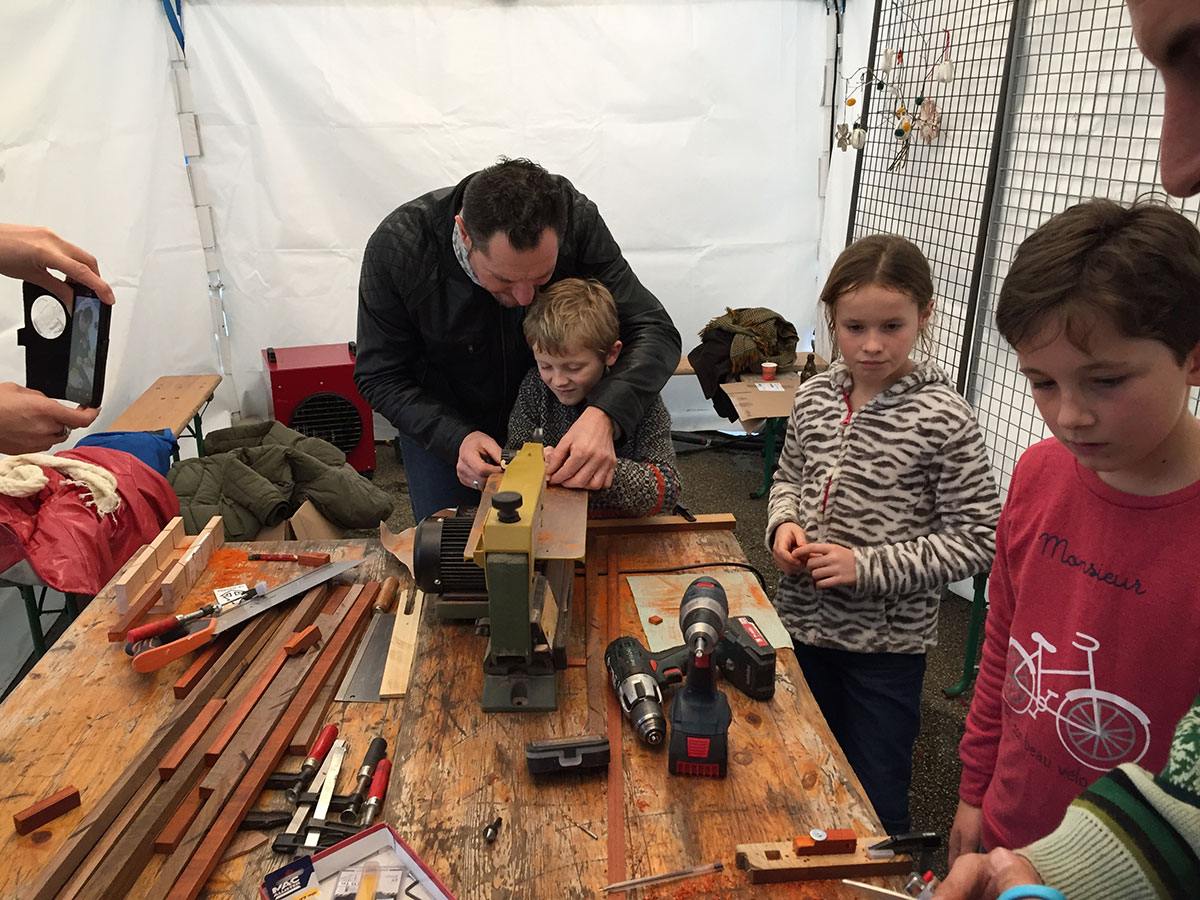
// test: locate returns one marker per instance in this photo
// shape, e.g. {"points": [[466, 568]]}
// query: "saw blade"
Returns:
{"points": [[252, 608]]}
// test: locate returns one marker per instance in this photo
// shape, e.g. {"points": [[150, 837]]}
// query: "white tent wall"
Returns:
{"points": [[90, 147], [695, 126]]}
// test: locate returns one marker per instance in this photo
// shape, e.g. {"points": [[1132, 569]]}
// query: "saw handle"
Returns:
{"points": [[152, 629], [387, 595], [157, 657]]}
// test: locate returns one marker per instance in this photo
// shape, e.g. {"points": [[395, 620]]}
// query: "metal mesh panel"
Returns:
{"points": [[1081, 118]]}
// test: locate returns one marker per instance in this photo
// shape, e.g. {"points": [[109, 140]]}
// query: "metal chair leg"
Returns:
{"points": [[35, 620]]}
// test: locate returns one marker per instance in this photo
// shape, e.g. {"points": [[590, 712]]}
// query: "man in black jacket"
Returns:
{"points": [[444, 286]]}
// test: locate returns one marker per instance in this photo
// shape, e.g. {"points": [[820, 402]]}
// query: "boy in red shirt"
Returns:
{"points": [[1093, 636]]}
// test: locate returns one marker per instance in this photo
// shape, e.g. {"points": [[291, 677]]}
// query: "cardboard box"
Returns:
{"points": [[756, 400], [306, 524]]}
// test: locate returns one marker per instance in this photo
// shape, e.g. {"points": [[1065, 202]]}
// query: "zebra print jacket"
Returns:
{"points": [[906, 482]]}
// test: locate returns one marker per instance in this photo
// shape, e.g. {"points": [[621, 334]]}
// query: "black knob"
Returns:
{"points": [[353, 348], [507, 503], [270, 354]]}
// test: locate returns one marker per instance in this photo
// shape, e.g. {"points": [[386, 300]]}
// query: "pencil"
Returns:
{"points": [[669, 876]]}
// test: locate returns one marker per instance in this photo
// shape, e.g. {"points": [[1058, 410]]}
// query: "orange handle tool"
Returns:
{"points": [[157, 657]]}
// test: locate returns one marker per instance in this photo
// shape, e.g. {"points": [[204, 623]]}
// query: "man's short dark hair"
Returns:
{"points": [[1139, 266], [516, 198]]}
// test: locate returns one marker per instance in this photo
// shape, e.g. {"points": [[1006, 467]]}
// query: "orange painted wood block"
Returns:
{"points": [[836, 840], [34, 817], [204, 660], [302, 640], [168, 839], [252, 697]]}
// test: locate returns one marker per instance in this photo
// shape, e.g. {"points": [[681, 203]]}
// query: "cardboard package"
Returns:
{"points": [[756, 400], [306, 524]]}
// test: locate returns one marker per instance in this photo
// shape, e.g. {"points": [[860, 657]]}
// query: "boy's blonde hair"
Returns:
{"points": [[1137, 265], [570, 314]]}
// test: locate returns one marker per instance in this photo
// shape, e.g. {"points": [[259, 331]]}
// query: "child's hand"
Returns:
{"points": [[790, 548], [831, 565], [966, 831]]}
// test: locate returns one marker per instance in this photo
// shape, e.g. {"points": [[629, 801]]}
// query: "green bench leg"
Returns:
{"points": [[772, 433], [195, 430], [974, 633], [35, 620]]}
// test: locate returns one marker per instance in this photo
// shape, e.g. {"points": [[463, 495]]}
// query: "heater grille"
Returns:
{"points": [[330, 417]]}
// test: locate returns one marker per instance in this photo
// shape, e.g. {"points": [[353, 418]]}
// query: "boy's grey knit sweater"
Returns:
{"points": [[906, 482], [646, 482]]}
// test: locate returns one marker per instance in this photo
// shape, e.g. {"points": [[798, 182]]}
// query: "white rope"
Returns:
{"points": [[22, 476]]}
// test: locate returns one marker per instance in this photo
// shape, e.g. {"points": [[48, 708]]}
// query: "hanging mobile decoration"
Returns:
{"points": [[923, 117]]}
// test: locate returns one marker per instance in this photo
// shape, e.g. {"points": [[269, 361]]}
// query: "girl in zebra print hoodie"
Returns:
{"points": [[884, 494]]}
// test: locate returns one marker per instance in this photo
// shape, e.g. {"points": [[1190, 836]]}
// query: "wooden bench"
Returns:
{"points": [[173, 401]]}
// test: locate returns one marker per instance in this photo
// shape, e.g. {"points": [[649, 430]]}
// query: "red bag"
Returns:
{"points": [[70, 546]]}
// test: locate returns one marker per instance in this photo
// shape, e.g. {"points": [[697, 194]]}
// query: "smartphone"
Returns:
{"points": [[88, 354]]}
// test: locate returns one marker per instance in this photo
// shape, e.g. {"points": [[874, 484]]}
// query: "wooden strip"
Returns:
{"points": [[402, 649], [114, 875], [208, 854], [111, 836], [189, 738], [217, 747], [90, 831], [616, 767], [302, 640], [34, 817], [203, 662], [168, 839], [140, 604], [650, 524], [318, 714]]}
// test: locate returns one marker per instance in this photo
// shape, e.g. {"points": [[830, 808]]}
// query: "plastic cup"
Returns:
{"points": [[768, 370]]}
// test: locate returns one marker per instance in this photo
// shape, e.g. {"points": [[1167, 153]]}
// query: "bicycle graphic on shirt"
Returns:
{"points": [[1098, 728]]}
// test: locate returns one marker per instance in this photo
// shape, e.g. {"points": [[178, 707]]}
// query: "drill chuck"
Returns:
{"points": [[629, 669], [702, 614]]}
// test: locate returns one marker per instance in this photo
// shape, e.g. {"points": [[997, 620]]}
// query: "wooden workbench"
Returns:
{"points": [[83, 714]]}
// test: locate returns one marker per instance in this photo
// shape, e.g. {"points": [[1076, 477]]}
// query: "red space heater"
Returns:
{"points": [[312, 391]]}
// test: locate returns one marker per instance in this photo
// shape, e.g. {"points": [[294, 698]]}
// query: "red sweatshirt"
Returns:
{"points": [[1084, 574]]}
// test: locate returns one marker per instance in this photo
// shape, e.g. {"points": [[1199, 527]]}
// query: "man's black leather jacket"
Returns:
{"points": [[439, 357]]}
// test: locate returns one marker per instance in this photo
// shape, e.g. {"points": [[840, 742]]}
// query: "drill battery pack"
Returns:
{"points": [[746, 659], [569, 754]]}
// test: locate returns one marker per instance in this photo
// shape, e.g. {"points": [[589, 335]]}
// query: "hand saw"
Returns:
{"points": [[178, 640]]}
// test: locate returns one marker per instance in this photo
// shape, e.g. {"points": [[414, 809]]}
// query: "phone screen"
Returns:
{"points": [[85, 336]]}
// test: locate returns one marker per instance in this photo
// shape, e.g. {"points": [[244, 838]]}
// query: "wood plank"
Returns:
{"points": [[302, 640], [189, 738], [318, 714], [616, 768], [221, 741], [663, 524], [774, 862], [208, 854], [202, 663], [140, 605], [397, 669], [34, 817], [168, 839], [172, 401]]}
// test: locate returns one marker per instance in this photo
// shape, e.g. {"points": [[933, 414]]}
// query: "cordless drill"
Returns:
{"points": [[700, 713]]}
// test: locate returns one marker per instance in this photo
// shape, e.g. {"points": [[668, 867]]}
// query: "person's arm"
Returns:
{"points": [[968, 504], [980, 744], [785, 536], [390, 347], [30, 253], [647, 481], [31, 422]]}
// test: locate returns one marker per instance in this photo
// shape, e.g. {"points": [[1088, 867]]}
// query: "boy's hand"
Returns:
{"points": [[790, 548], [978, 877], [31, 422], [477, 459], [585, 457], [966, 830], [831, 565]]}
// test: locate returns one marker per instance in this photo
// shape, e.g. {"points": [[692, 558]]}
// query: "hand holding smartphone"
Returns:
{"points": [[66, 353]]}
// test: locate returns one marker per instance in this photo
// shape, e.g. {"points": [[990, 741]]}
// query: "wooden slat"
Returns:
{"points": [[663, 524], [302, 640], [191, 880], [140, 604], [397, 669], [168, 839], [171, 402], [190, 738], [221, 741], [203, 662], [616, 769], [34, 817]]}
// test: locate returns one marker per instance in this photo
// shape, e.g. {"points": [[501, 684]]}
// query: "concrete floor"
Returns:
{"points": [[720, 479]]}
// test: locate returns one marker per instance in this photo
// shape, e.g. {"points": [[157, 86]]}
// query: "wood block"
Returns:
{"points": [[217, 747], [836, 840], [188, 739], [140, 605], [166, 542], [774, 862], [302, 640], [401, 651], [203, 662], [136, 574], [34, 817], [168, 839], [184, 574]]}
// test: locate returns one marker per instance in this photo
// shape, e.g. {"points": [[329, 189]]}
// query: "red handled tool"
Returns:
{"points": [[305, 559], [175, 639], [379, 784], [162, 626], [313, 761]]}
